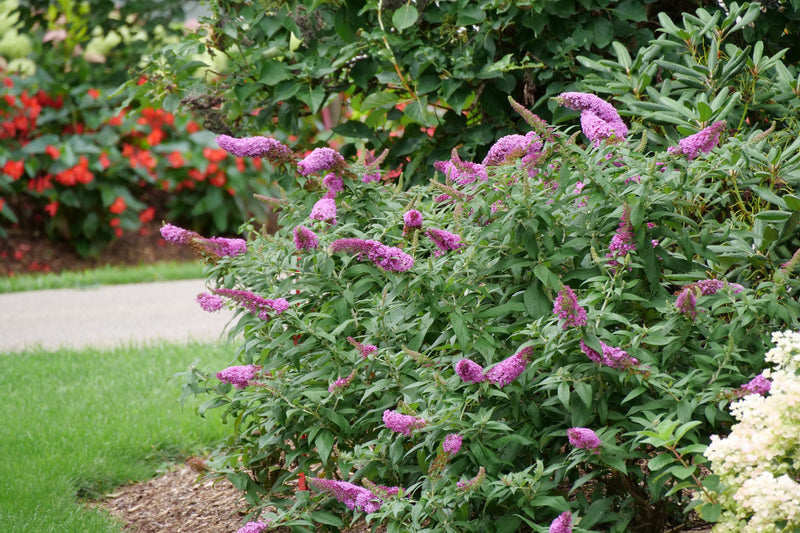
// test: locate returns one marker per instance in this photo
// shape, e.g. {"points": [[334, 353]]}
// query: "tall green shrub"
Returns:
{"points": [[577, 310]]}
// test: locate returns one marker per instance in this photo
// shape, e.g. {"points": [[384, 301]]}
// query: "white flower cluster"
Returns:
{"points": [[759, 462]]}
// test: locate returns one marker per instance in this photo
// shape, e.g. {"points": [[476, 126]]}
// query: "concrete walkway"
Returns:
{"points": [[107, 316]]}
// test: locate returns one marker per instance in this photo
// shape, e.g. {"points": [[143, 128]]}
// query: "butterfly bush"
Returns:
{"points": [[384, 339]]}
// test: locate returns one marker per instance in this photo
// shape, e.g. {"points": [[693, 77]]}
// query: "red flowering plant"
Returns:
{"points": [[80, 163], [543, 337]]}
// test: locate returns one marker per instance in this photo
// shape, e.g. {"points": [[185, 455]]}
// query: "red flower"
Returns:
{"points": [[52, 151], [10, 99], [155, 137], [147, 215], [2, 203], [116, 120], [118, 206], [15, 169], [175, 159], [215, 156], [114, 222], [8, 82], [105, 162], [192, 127], [94, 93], [218, 180], [52, 208]]}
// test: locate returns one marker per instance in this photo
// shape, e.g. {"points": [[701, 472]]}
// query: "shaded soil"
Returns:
{"points": [[26, 252]]}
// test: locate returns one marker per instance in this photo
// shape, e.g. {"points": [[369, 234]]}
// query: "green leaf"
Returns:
{"points": [[660, 461], [324, 443], [547, 277], [633, 10], [355, 129], [792, 202], [463, 336], [584, 392], [404, 17], [273, 72], [324, 517], [381, 99]]}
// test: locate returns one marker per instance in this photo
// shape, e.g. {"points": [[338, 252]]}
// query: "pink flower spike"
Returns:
{"points": [[238, 376], [324, 210], [305, 239], [470, 371], [562, 523], [209, 302], [506, 371], [444, 240], [254, 527], [585, 439], [320, 159], [567, 308], [452, 443], [400, 423], [701, 142], [258, 146]]}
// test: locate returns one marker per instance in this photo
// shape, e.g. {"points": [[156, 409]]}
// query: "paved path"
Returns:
{"points": [[107, 316]]}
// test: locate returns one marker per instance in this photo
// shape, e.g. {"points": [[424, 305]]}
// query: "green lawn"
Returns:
{"points": [[107, 275], [80, 422]]}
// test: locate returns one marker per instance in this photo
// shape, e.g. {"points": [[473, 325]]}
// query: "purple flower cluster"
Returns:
{"points": [[333, 183], [470, 371], [324, 210], [389, 258], [599, 119], [452, 443], [371, 172], [623, 240], [253, 527], [584, 438], [474, 482], [209, 302], [353, 496], [363, 349], [320, 159], [222, 246], [512, 147], [507, 370], [562, 523], [567, 308], [611, 356], [701, 142], [258, 305], [238, 376], [175, 235], [305, 239], [461, 172], [757, 385], [444, 240], [400, 423], [412, 220], [713, 286], [341, 383], [686, 303], [255, 147]]}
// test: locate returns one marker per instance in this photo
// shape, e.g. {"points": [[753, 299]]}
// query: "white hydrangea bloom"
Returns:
{"points": [[759, 461]]}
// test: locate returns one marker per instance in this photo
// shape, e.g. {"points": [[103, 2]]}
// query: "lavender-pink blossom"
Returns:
{"points": [[353, 496], [389, 258], [461, 172], [324, 210], [701, 142], [305, 239], [341, 383], [622, 242], [209, 302], [474, 482], [470, 371], [256, 304], [400, 423], [567, 308], [562, 523], [686, 303], [597, 110], [412, 219], [363, 349], [176, 235], [253, 527], [444, 240], [452, 443], [239, 376], [222, 246], [507, 370], [612, 357], [320, 159], [757, 385], [512, 147], [333, 183], [584, 438], [255, 147]]}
